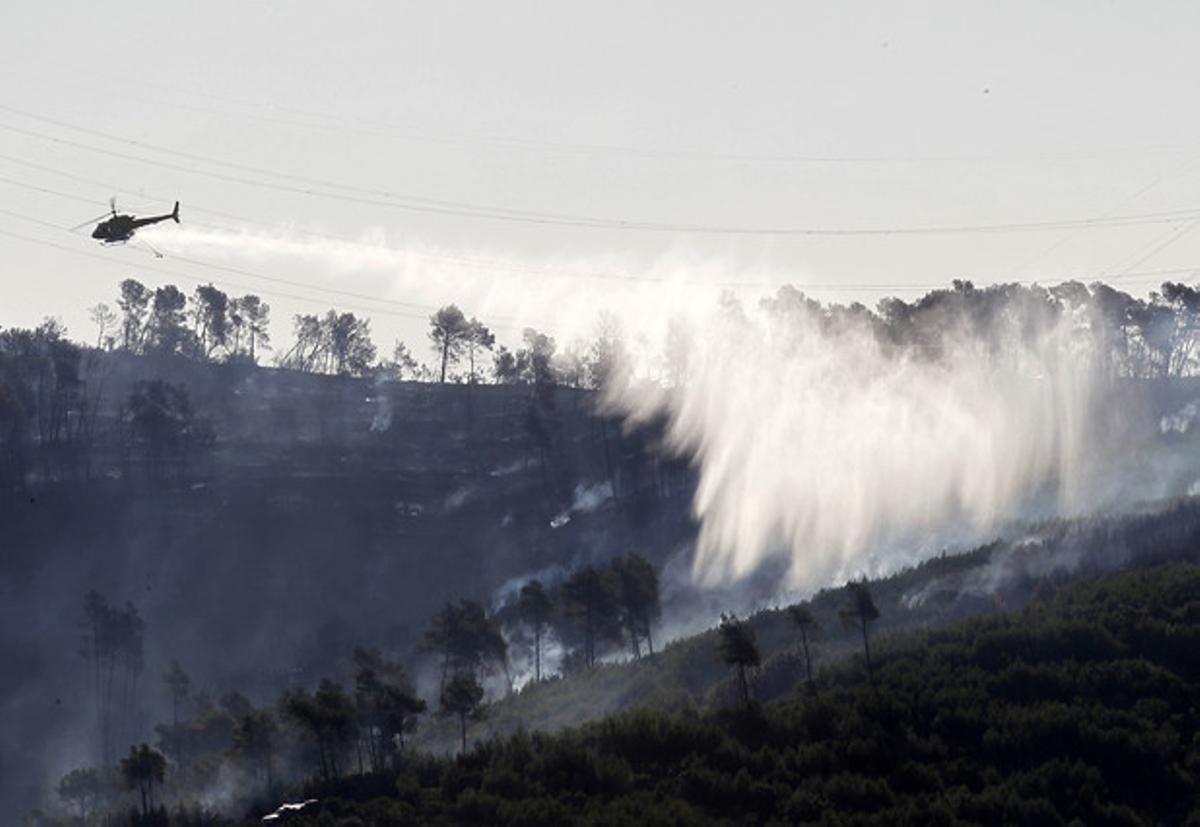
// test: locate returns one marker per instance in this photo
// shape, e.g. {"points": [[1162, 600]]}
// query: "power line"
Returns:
{"points": [[400, 251], [411, 133], [463, 260], [459, 260], [1172, 237], [432, 206], [879, 287], [1171, 173], [204, 159], [1127, 274]]}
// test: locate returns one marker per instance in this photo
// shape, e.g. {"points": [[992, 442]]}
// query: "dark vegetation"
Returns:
{"points": [[256, 524], [735, 714], [340, 569], [1080, 708]]}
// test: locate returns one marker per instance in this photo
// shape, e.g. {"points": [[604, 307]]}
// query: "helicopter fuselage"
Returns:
{"points": [[117, 228], [121, 228]]}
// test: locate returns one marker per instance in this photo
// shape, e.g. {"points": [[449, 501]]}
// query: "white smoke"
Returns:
{"points": [[586, 499], [337, 255], [818, 446], [1182, 421], [382, 400], [460, 497], [590, 497], [510, 589]]}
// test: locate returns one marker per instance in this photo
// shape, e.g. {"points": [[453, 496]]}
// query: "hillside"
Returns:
{"points": [[1002, 575], [310, 515], [324, 513], [1079, 708]]}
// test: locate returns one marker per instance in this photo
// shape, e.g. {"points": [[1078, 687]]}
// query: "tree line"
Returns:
{"points": [[51, 394], [51, 388], [210, 325], [1151, 337]]}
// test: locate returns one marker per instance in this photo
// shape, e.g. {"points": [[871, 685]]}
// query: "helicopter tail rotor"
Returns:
{"points": [[175, 212]]}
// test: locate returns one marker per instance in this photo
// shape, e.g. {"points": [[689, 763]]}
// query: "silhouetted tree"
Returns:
{"points": [[80, 788], [328, 717], [860, 612], [160, 415], [105, 320], [249, 317], [504, 367], [466, 638], [141, 770], [210, 319], [236, 705], [166, 332], [134, 304], [461, 697], [1183, 335], [114, 646], [351, 352], [477, 338], [254, 736], [571, 365], [590, 598], [606, 353], [44, 409], [739, 648], [178, 684], [386, 703], [404, 364], [338, 343], [807, 624], [536, 358], [535, 609], [637, 594], [449, 333], [306, 353], [532, 363]]}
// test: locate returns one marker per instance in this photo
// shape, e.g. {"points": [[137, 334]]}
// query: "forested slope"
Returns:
{"points": [[1079, 708], [998, 576]]}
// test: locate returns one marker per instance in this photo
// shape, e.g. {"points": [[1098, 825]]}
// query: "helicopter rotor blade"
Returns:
{"points": [[112, 204], [89, 222]]}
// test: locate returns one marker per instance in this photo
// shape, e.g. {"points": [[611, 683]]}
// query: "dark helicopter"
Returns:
{"points": [[120, 228]]}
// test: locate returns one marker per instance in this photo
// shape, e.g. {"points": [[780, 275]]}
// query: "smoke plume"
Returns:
{"points": [[828, 440], [824, 444]]}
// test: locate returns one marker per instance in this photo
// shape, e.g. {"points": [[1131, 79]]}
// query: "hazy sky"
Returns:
{"points": [[716, 116]]}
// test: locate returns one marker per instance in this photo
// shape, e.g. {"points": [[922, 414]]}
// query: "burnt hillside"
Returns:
{"points": [[310, 515]]}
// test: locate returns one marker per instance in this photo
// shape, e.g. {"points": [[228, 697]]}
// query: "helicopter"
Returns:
{"points": [[120, 228]]}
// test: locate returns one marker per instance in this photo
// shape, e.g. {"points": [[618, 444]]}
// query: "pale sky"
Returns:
{"points": [[720, 117]]}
